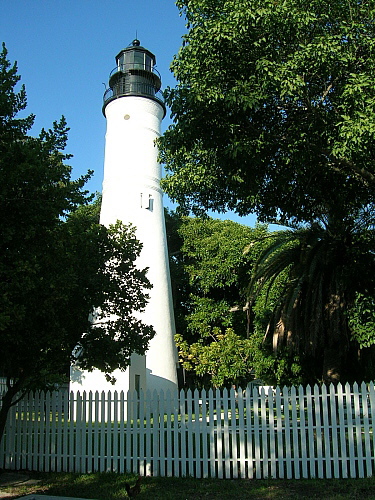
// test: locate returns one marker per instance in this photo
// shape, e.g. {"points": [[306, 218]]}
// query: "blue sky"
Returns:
{"points": [[65, 50]]}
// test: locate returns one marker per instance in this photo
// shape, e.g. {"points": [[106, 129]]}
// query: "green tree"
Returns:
{"points": [[274, 109], [57, 264], [274, 114], [211, 273], [309, 314]]}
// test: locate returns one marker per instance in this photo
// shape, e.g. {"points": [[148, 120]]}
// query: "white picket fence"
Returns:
{"points": [[282, 433]]}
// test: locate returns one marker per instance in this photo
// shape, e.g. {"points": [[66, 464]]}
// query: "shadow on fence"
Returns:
{"points": [[298, 432]]}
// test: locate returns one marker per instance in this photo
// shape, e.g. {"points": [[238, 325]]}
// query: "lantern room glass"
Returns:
{"points": [[135, 59]]}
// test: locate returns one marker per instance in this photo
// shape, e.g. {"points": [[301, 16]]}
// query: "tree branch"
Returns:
{"points": [[367, 177]]}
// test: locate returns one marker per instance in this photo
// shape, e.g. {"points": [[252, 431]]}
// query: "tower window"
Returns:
{"points": [[147, 202], [148, 62], [150, 203], [139, 60]]}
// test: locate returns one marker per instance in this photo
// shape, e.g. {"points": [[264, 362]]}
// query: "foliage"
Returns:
{"points": [[116, 293], [210, 273], [218, 271], [226, 358], [274, 114], [179, 277], [275, 367], [309, 315], [220, 338], [57, 264], [362, 320], [274, 109]]}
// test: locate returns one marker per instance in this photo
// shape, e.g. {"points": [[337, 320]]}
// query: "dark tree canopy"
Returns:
{"points": [[321, 275], [274, 108]]}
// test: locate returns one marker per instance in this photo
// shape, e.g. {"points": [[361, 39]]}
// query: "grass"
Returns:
{"points": [[111, 486]]}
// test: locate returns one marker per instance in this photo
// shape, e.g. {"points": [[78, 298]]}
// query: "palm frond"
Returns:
{"points": [[310, 260]]}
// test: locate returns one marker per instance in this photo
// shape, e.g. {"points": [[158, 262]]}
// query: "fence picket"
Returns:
{"points": [[196, 427], [78, 424], [224, 417], [256, 434], [241, 433], [121, 431], [182, 428], [350, 429], [190, 436], [326, 431], [233, 433], [211, 431], [318, 432], [102, 435], [28, 430], [168, 415], [148, 430], [65, 435], [358, 430], [280, 433], [56, 425], [142, 430], [264, 433], [43, 430], [78, 438], [296, 432], [161, 434], [219, 436], [334, 435], [134, 430], [366, 427], [272, 436], [90, 419], [342, 433], [24, 431], [310, 432], [35, 431], [96, 431], [249, 429], [85, 454], [205, 436], [175, 436], [115, 433], [288, 446], [302, 431], [18, 440], [108, 427], [128, 433]]}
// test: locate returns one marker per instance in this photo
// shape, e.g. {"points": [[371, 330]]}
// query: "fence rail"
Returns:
{"points": [[324, 432]]}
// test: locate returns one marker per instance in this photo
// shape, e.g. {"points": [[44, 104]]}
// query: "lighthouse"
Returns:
{"points": [[133, 107]]}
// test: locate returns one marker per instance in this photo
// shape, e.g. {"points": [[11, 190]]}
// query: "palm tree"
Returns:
{"points": [[323, 271]]}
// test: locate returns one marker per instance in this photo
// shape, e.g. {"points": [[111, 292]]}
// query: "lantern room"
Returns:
{"points": [[135, 75]]}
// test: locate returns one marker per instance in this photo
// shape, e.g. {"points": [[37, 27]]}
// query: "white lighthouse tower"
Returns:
{"points": [[134, 109]]}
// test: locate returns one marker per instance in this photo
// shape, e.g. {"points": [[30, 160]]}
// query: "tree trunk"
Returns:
{"points": [[7, 401], [332, 365], [4, 410]]}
